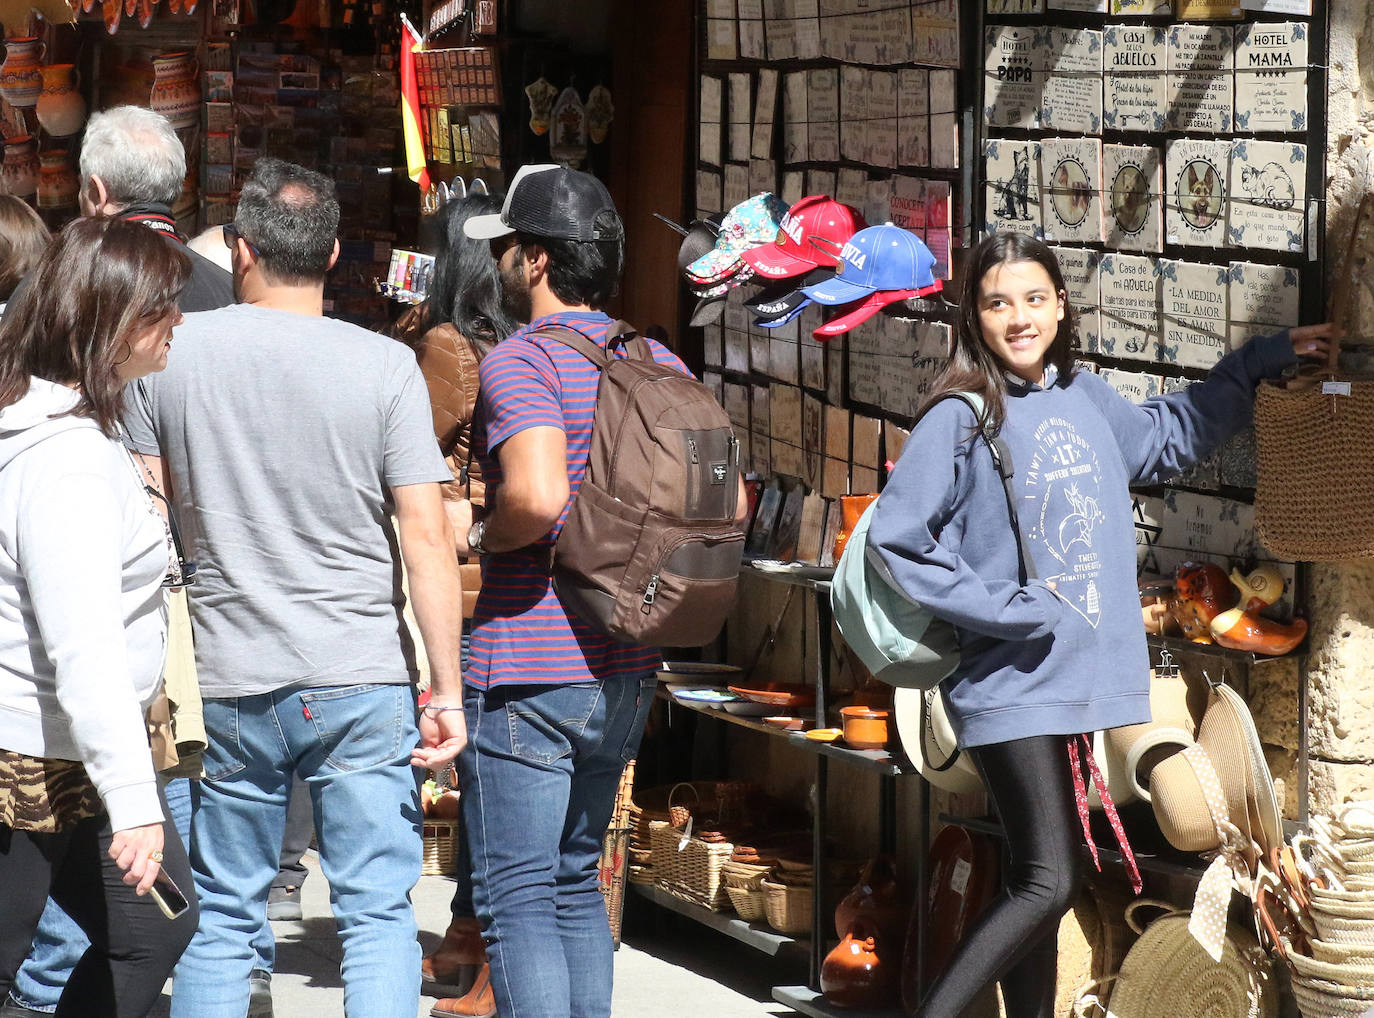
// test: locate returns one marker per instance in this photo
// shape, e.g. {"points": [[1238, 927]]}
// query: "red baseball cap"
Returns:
{"points": [[863, 310], [795, 252]]}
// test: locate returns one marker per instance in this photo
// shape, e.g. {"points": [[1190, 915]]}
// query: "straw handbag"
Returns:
{"points": [[1314, 499], [1167, 972]]}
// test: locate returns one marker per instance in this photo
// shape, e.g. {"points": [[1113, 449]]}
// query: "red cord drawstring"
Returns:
{"points": [[1080, 794]]}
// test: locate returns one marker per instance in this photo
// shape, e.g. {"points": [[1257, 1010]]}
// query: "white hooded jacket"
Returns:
{"points": [[83, 617]]}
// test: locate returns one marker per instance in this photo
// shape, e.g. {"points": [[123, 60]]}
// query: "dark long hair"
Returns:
{"points": [[97, 282], [22, 240], [466, 289], [973, 367]]}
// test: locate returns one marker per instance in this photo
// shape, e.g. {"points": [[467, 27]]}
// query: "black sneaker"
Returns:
{"points": [[284, 903], [260, 994]]}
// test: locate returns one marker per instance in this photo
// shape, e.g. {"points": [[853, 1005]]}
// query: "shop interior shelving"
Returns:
{"points": [[758, 935]]}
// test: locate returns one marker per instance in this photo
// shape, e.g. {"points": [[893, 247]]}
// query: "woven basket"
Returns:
{"points": [[743, 875], [1339, 952], [788, 909], [1167, 972], [1353, 972], [690, 869], [749, 904], [1320, 999], [440, 858], [1333, 929]]}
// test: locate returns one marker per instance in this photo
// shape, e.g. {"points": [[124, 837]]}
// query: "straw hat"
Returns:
{"points": [[1228, 738], [929, 741]]}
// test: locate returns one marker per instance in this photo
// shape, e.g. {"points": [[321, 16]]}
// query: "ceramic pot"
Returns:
{"points": [[57, 181], [854, 974], [852, 507], [877, 897], [865, 727], [19, 172], [21, 79], [61, 110], [176, 88]]}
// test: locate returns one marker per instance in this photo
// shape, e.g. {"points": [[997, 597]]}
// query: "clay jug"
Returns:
{"points": [[853, 507], [176, 88], [61, 110], [21, 79], [19, 172], [57, 182], [878, 898], [854, 974]]}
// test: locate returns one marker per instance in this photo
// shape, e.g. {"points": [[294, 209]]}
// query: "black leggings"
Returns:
{"points": [[134, 946], [1015, 941]]}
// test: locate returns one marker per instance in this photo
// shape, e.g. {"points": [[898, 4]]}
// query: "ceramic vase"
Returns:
{"points": [[57, 181], [854, 975], [176, 88], [61, 110], [19, 172], [21, 78]]}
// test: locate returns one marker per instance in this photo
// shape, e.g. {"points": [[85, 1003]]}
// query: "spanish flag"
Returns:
{"points": [[416, 167]]}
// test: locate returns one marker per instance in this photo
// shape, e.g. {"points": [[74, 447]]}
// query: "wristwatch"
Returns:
{"points": [[475, 534]]}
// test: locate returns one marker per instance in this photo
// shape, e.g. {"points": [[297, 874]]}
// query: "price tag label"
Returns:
{"points": [[958, 880], [1335, 388]]}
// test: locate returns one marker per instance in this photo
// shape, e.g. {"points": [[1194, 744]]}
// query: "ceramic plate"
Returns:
{"points": [[698, 668]]}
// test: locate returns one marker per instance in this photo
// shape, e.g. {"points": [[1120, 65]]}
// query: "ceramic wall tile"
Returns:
{"points": [[913, 115], [1194, 297], [837, 432], [1207, 10], [1082, 6], [1014, 76], [1072, 99], [939, 216], [1015, 6], [1217, 527], [1133, 181], [1012, 173], [713, 340], [1263, 298], [1268, 195], [1271, 77], [1070, 189], [736, 188], [1130, 307], [823, 116], [1136, 386], [1135, 59], [736, 404], [714, 382], [784, 411], [783, 359], [1083, 287], [1196, 175], [944, 120], [1137, 7], [1201, 79], [821, 181], [708, 193], [795, 139]]}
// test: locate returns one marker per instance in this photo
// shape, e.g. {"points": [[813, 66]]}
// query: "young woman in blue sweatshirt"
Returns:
{"points": [[1064, 654]]}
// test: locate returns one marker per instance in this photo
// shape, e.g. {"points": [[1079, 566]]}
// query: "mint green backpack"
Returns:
{"points": [[897, 639]]}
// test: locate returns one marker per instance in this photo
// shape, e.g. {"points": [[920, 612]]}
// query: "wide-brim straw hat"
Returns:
{"points": [[929, 740], [1228, 738]]}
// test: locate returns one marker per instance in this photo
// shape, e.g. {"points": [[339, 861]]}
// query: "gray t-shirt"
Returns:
{"points": [[283, 434]]}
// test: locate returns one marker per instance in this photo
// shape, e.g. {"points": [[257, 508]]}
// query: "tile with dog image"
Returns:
{"points": [[1012, 175], [1134, 60], [1196, 174], [1070, 186], [1201, 82], [1268, 195], [1133, 195]]}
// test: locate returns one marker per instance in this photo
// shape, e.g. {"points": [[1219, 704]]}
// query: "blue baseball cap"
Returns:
{"points": [[875, 260]]}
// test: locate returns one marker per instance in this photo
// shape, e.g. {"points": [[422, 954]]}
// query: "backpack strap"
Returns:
{"points": [[621, 335], [1006, 469], [626, 336]]}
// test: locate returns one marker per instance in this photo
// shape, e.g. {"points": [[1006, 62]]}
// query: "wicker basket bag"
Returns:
{"points": [[689, 868]]}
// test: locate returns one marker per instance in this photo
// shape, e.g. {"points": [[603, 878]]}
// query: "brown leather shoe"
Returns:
{"points": [[459, 955], [478, 1003]]}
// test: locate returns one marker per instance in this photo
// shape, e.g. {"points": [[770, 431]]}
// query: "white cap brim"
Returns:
{"points": [[487, 227]]}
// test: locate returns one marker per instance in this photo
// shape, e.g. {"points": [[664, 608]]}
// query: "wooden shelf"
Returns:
{"points": [[816, 577], [877, 760], [758, 935], [1180, 645], [807, 1001]]}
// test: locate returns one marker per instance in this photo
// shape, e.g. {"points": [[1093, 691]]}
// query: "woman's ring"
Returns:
{"points": [[155, 856]]}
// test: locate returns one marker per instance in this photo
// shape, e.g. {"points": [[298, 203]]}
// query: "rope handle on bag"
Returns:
{"points": [[1166, 907]]}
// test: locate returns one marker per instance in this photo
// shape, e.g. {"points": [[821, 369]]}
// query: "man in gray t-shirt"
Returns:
{"points": [[288, 440]]}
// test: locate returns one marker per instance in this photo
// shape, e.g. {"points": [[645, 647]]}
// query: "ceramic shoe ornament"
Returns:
{"points": [[568, 134], [541, 95], [600, 113], [810, 236], [878, 266], [749, 224]]}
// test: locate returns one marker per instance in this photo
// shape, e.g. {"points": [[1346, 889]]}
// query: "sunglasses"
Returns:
{"points": [[231, 235], [180, 573], [167, 896]]}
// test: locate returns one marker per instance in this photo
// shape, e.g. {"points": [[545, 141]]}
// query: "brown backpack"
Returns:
{"points": [[651, 549]]}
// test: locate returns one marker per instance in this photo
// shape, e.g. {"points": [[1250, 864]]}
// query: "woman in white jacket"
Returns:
{"points": [[83, 557]]}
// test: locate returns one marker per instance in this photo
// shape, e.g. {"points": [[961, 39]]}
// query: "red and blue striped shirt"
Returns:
{"points": [[520, 630]]}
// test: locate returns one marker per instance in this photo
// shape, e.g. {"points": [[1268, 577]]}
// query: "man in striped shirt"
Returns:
{"points": [[555, 709]]}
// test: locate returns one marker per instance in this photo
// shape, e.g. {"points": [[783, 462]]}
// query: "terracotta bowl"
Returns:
{"points": [[779, 694], [785, 723], [865, 727]]}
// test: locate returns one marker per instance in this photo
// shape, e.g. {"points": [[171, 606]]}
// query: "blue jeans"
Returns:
{"points": [[59, 943], [539, 778], [351, 745]]}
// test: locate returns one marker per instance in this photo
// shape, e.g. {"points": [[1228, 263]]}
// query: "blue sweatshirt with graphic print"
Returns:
{"points": [[1036, 660]]}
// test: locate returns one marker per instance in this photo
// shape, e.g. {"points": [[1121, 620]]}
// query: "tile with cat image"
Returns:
{"points": [[1084, 292], [1134, 62], [1201, 79], [1133, 197], [1071, 188], [1130, 307], [1193, 296], [1268, 195], [1014, 76], [1196, 175], [1072, 99], [1012, 176], [1271, 77]]}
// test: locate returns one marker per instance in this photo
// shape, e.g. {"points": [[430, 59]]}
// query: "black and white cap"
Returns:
{"points": [[547, 200]]}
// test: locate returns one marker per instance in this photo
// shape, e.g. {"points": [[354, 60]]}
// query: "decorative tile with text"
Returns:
{"points": [[1072, 98], [1201, 83], [1130, 307], [1083, 289], [1193, 296], [1271, 77], [1134, 64], [1263, 299], [1012, 175], [1014, 76]]}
